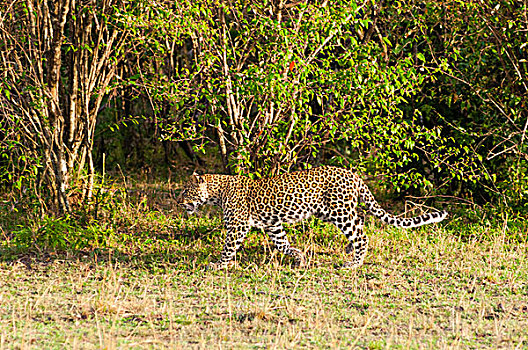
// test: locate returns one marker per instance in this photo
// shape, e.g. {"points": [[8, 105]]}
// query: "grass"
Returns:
{"points": [[137, 279]]}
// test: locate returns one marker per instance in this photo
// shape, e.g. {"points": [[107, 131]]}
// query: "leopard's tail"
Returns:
{"points": [[372, 205]]}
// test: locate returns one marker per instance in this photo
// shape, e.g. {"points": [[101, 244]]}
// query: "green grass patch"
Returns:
{"points": [[136, 278]]}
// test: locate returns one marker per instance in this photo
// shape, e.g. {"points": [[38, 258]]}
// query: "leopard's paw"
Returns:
{"points": [[351, 265], [300, 259], [219, 265]]}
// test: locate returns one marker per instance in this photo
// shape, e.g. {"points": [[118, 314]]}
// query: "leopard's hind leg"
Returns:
{"points": [[278, 236], [352, 228], [341, 209], [358, 242]]}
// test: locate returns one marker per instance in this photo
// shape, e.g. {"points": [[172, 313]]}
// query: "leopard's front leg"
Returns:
{"points": [[234, 238]]}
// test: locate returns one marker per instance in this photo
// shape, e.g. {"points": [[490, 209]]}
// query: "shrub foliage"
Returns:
{"points": [[429, 97]]}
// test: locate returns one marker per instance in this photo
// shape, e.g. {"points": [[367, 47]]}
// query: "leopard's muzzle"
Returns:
{"points": [[190, 208]]}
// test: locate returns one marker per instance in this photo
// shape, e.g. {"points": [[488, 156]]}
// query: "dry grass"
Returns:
{"points": [[147, 288]]}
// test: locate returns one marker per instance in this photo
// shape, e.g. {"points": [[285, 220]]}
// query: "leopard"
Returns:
{"points": [[331, 194]]}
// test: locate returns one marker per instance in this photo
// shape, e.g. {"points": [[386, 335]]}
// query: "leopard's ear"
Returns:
{"points": [[196, 177]]}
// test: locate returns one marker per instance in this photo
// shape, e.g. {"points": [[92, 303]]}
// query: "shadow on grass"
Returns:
{"points": [[184, 249]]}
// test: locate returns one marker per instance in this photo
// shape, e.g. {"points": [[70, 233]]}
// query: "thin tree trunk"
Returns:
{"points": [[64, 56]]}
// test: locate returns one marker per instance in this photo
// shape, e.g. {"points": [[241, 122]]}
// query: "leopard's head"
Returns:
{"points": [[194, 194]]}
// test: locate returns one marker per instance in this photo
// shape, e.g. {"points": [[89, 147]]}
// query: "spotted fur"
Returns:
{"points": [[331, 194]]}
